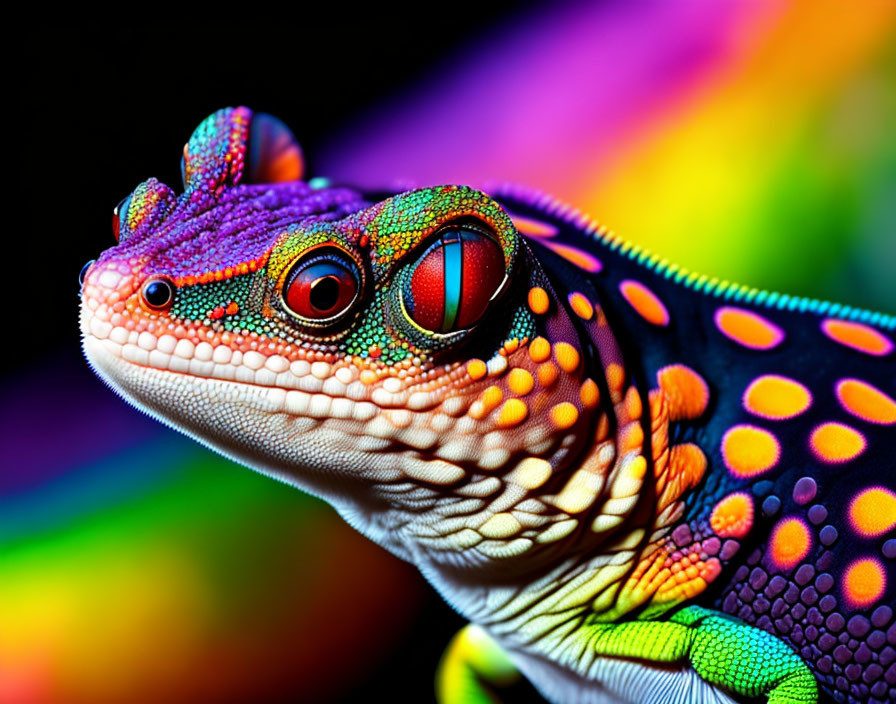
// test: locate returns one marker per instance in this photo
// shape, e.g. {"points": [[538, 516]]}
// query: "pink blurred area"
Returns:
{"points": [[551, 96]]}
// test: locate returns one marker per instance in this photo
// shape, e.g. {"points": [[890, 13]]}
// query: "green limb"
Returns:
{"points": [[471, 665], [749, 661], [724, 651]]}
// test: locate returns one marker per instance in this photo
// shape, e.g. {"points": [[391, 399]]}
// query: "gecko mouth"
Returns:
{"points": [[294, 395], [298, 387]]}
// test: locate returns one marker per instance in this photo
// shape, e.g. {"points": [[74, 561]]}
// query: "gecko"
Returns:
{"points": [[637, 484]]}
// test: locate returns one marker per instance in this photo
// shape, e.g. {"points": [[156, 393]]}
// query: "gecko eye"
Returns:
{"points": [[120, 209], [455, 279], [322, 285], [158, 293]]}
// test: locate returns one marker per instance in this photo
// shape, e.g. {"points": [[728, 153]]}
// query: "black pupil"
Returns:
{"points": [[325, 293], [157, 293]]}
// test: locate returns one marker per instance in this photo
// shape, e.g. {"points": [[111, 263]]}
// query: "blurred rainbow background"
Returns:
{"points": [[753, 140]]}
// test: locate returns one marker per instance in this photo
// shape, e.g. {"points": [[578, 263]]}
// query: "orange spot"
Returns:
{"points": [[867, 402], [645, 302], [864, 582], [748, 450], [567, 356], [688, 464], [733, 516], [539, 349], [581, 259], [539, 301], [859, 337], [790, 542], [533, 228], [835, 442], [633, 405], [581, 305], [748, 329], [476, 369], [513, 412], [511, 346], [776, 397], [686, 393], [547, 374], [490, 398], [873, 511], [631, 437], [564, 415], [615, 377], [589, 394], [520, 381]]}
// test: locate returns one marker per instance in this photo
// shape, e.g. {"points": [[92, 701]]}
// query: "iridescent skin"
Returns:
{"points": [[638, 484]]}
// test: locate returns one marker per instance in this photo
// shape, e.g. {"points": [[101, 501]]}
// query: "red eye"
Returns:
{"points": [[323, 285], [120, 210], [454, 281]]}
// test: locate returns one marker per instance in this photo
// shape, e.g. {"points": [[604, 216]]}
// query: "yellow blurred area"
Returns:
{"points": [[708, 165], [51, 592]]}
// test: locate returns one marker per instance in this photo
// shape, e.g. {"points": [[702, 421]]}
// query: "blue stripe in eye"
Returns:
{"points": [[453, 262]]}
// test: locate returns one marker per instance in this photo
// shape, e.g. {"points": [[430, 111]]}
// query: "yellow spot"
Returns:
{"points": [[685, 391], [749, 451], [790, 542], [873, 511], [733, 516], [864, 582], [501, 525], [476, 369], [557, 531], [564, 415], [776, 397], [539, 350], [513, 412], [368, 377], [581, 305], [589, 394], [859, 337], [531, 473], [567, 356], [511, 346], [520, 381], [867, 402], [539, 301], [547, 374], [579, 492], [645, 302], [835, 442], [637, 468]]}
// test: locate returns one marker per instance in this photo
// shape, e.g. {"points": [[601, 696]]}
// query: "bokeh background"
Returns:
{"points": [[753, 140]]}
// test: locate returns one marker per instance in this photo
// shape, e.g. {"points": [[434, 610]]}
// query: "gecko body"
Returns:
{"points": [[637, 484]]}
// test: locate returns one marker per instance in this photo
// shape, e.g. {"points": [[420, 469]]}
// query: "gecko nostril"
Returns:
{"points": [[83, 274]]}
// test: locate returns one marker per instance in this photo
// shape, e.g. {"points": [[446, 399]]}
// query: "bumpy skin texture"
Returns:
{"points": [[640, 484]]}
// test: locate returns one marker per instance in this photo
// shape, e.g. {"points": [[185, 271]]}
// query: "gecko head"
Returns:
{"points": [[374, 353]]}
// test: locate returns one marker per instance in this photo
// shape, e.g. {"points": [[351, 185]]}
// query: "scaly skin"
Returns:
{"points": [[640, 485]]}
